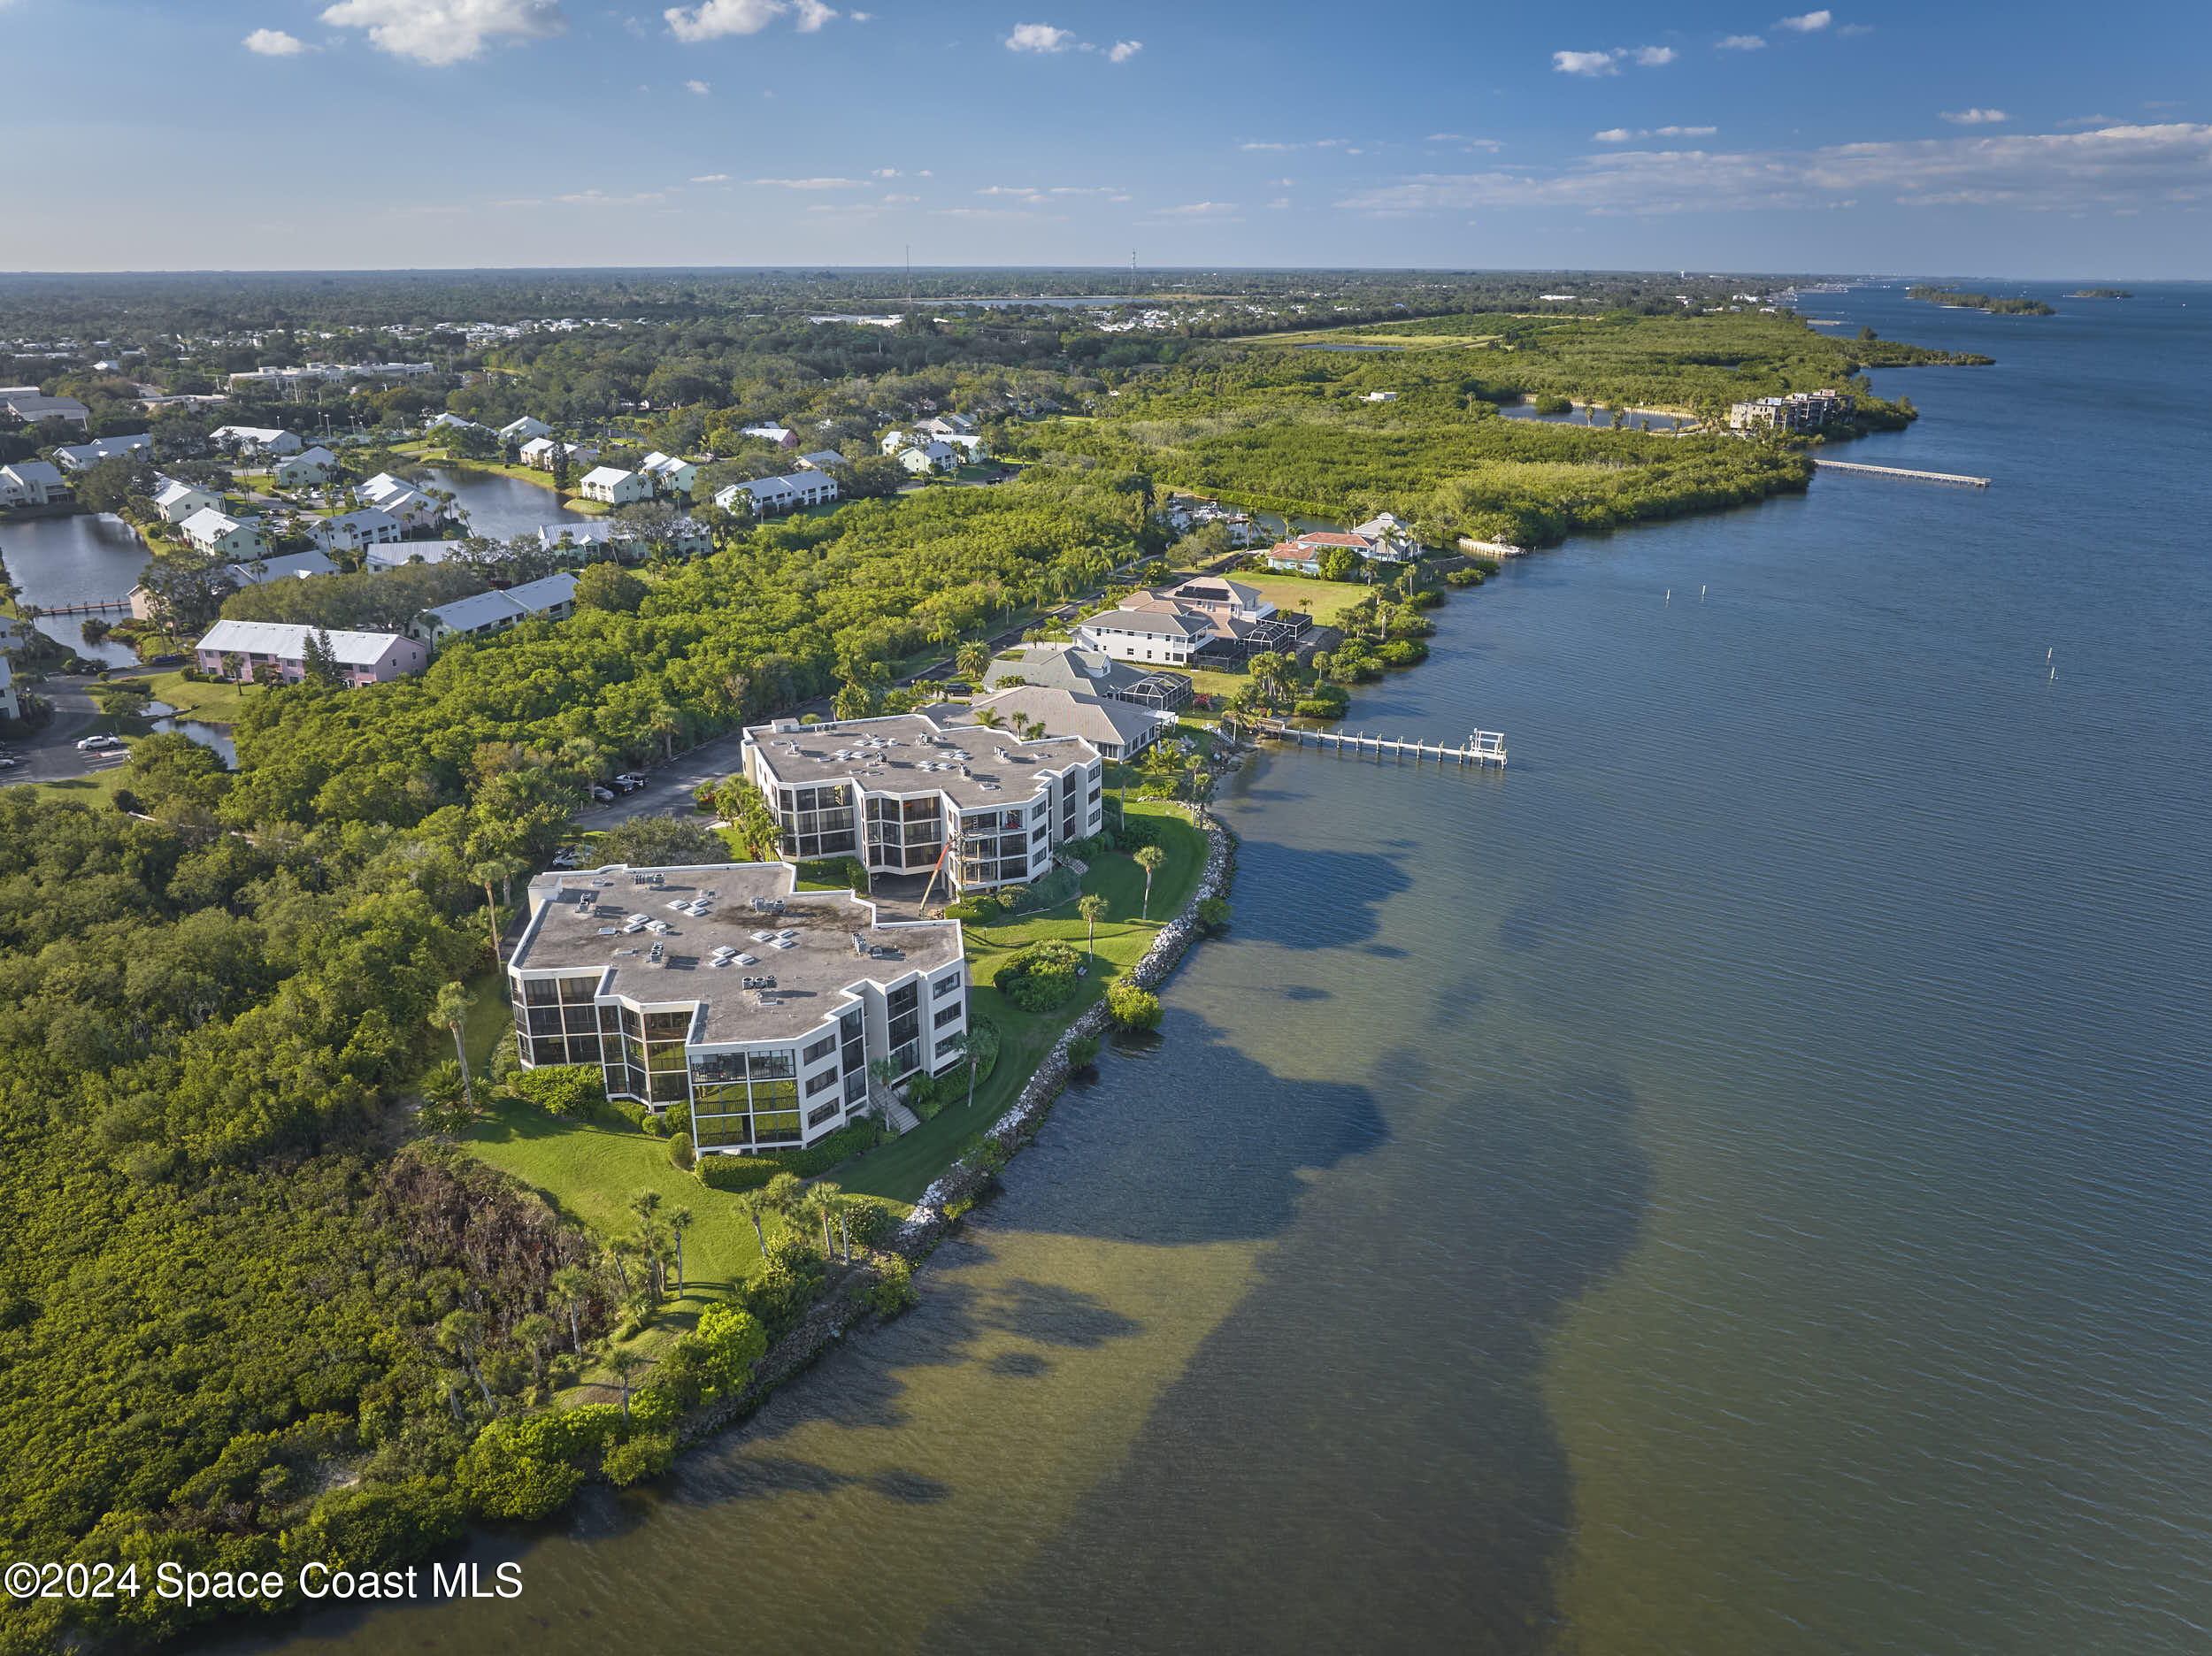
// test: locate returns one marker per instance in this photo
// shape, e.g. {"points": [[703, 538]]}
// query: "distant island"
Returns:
{"points": [[1980, 302], [2101, 292]]}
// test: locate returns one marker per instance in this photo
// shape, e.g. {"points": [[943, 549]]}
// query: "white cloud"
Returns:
{"points": [[1743, 42], [1028, 190], [699, 87], [1255, 146], [712, 178], [885, 172], [902, 198], [812, 183], [1652, 57], [714, 20], [594, 198], [1039, 37], [1851, 31], [1974, 116], [269, 42], [2087, 120], [1202, 210], [1687, 132], [1001, 212], [2117, 167], [1807, 23], [1613, 134], [1122, 51], [1113, 192], [1584, 63], [812, 15], [1622, 134], [860, 17], [446, 31]]}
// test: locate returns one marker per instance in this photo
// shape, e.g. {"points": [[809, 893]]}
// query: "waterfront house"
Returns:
{"points": [[1800, 411], [554, 598], [1089, 672], [904, 795], [84, 457], [176, 502], [1388, 541], [724, 993], [614, 485], [371, 525], [218, 533], [1119, 729], [526, 429], [32, 483], [538, 454], [363, 658], [1146, 630]]}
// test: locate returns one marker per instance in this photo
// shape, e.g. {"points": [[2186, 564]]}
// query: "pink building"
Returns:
{"points": [[238, 649]]}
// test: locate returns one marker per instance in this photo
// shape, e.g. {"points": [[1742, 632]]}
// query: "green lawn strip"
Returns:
{"points": [[903, 1168], [212, 703], [97, 790]]}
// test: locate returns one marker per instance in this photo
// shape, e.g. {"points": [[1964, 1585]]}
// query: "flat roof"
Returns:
{"points": [[812, 971], [886, 756]]}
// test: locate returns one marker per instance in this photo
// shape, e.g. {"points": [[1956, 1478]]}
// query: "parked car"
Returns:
{"points": [[629, 782], [93, 744], [599, 792]]}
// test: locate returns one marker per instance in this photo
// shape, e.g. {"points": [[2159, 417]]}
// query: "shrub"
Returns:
{"points": [[640, 1117], [680, 1151], [563, 1089], [1041, 977], [1403, 652], [1464, 578], [750, 1172], [969, 909], [735, 1172], [1315, 708], [647, 1455], [1134, 1008], [867, 1223], [1427, 598], [127, 802], [1213, 912], [1083, 1051], [1137, 832], [922, 1096], [790, 1275], [895, 1289]]}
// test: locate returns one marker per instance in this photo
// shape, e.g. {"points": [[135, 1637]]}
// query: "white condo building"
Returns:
{"points": [[907, 795], [724, 988]]}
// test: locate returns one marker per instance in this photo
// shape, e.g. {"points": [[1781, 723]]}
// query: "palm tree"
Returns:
{"points": [[451, 1012], [751, 1204], [1091, 907], [461, 1333], [821, 1201], [974, 662], [784, 1194], [664, 724], [491, 872], [1150, 858], [625, 1363], [990, 719], [535, 1332], [678, 1222], [572, 1283]]}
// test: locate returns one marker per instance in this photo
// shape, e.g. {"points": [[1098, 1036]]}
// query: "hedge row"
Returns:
{"points": [[750, 1172]]}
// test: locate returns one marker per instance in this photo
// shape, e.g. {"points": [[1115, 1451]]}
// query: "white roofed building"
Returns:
{"points": [[255, 440], [84, 457], [486, 613], [614, 485], [220, 535], [349, 532], [362, 659], [177, 502]]}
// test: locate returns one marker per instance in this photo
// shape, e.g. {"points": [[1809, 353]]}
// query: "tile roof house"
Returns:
{"points": [[487, 613], [1088, 673], [1118, 730], [363, 658]]}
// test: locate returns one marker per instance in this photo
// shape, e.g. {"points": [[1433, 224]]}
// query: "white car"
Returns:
{"points": [[93, 744], [629, 781], [599, 792]]}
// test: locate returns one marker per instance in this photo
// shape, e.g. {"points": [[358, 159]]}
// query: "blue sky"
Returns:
{"points": [[2028, 140]]}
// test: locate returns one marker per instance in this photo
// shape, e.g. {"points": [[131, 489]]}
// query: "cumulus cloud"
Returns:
{"points": [[715, 19], [446, 31], [712, 178], [2117, 168], [268, 43], [1652, 57], [699, 87], [1259, 147], [1202, 210], [1584, 63], [1743, 42], [1040, 37], [1122, 51], [812, 183], [1807, 22], [1974, 116], [902, 198]]}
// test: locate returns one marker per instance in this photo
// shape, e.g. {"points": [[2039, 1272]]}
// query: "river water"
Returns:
{"points": [[1734, 1184]]}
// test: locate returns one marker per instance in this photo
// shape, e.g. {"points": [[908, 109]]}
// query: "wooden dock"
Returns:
{"points": [[1899, 471], [1482, 748], [90, 606]]}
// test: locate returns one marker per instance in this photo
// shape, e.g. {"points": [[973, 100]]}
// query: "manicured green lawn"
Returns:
{"points": [[214, 704], [903, 1168], [96, 790]]}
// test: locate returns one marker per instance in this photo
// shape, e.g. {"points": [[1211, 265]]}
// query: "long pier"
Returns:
{"points": [[89, 607], [1482, 748], [1899, 471]]}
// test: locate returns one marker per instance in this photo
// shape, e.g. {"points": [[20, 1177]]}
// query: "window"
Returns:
{"points": [[820, 1049], [949, 1014], [815, 1084], [816, 1117], [944, 986]]}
